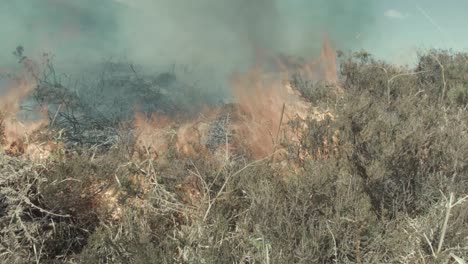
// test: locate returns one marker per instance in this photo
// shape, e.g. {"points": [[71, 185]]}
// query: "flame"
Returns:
{"points": [[158, 133], [269, 102], [261, 101], [16, 90], [16, 133], [152, 131], [322, 68], [265, 102]]}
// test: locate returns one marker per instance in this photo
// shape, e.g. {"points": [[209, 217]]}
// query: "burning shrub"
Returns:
{"points": [[369, 162]]}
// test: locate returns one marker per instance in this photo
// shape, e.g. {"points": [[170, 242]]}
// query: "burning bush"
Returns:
{"points": [[370, 167]]}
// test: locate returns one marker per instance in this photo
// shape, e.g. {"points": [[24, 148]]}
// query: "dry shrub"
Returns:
{"points": [[380, 193], [49, 210], [31, 230], [408, 144]]}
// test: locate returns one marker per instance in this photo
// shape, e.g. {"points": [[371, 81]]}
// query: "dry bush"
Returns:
{"points": [[31, 230], [391, 189], [406, 145], [49, 210], [442, 71]]}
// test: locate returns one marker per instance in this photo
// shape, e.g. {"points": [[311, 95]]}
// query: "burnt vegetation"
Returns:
{"points": [[392, 188]]}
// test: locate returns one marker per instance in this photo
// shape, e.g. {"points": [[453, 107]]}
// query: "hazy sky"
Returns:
{"points": [[402, 26], [227, 31]]}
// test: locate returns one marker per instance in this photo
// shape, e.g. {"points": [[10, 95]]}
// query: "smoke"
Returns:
{"points": [[72, 30], [347, 23], [221, 33], [214, 38], [227, 34], [211, 38]]}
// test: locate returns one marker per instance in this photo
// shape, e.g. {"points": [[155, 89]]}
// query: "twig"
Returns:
{"points": [[278, 131], [279, 125], [35, 253], [450, 204], [134, 71], [443, 76], [430, 245], [422, 257], [335, 249], [444, 227], [151, 165], [460, 201], [227, 140], [457, 259], [407, 74], [203, 182], [67, 179], [26, 200], [400, 75], [55, 116], [227, 180]]}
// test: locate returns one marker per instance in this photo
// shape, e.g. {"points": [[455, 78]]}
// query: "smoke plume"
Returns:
{"points": [[222, 34], [192, 53]]}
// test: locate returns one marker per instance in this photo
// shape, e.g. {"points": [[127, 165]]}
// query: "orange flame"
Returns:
{"points": [[262, 97], [265, 102], [17, 132]]}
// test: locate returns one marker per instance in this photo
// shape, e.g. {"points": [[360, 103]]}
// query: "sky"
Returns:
{"points": [[399, 28], [225, 33], [404, 26]]}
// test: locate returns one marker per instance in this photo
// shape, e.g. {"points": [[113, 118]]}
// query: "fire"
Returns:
{"points": [[15, 132], [261, 99], [152, 131], [264, 103], [270, 102], [158, 133]]}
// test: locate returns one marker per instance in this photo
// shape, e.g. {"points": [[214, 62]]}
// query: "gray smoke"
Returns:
{"points": [[202, 42], [219, 33]]}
